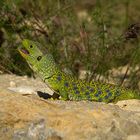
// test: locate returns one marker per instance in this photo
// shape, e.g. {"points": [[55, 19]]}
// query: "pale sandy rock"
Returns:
{"points": [[131, 105], [23, 89], [33, 118], [133, 137], [23, 84], [12, 84]]}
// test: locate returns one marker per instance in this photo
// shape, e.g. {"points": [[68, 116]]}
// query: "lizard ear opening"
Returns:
{"points": [[39, 58]]}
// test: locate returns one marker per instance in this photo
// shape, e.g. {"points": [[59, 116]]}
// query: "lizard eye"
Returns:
{"points": [[31, 46], [39, 58]]}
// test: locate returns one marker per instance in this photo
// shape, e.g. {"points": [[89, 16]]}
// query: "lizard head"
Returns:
{"points": [[40, 63], [30, 52]]}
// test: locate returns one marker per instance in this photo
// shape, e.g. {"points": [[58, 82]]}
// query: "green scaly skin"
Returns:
{"points": [[67, 86]]}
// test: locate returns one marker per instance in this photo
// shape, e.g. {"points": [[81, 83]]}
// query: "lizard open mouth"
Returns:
{"points": [[25, 51]]}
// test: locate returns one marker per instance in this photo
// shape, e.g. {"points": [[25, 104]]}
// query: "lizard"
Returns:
{"points": [[66, 85]]}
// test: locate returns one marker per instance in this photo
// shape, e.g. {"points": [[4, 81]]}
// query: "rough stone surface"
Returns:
{"points": [[29, 117], [23, 85]]}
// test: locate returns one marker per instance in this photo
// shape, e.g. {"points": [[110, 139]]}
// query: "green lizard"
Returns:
{"points": [[67, 86]]}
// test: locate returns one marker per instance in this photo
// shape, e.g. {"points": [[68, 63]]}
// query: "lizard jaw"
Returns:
{"points": [[23, 51]]}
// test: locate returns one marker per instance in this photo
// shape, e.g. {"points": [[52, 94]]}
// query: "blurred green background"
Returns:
{"points": [[98, 37]]}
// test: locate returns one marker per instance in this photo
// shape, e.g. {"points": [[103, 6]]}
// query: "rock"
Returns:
{"points": [[23, 84], [32, 118], [12, 84], [23, 89], [133, 137], [130, 105]]}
